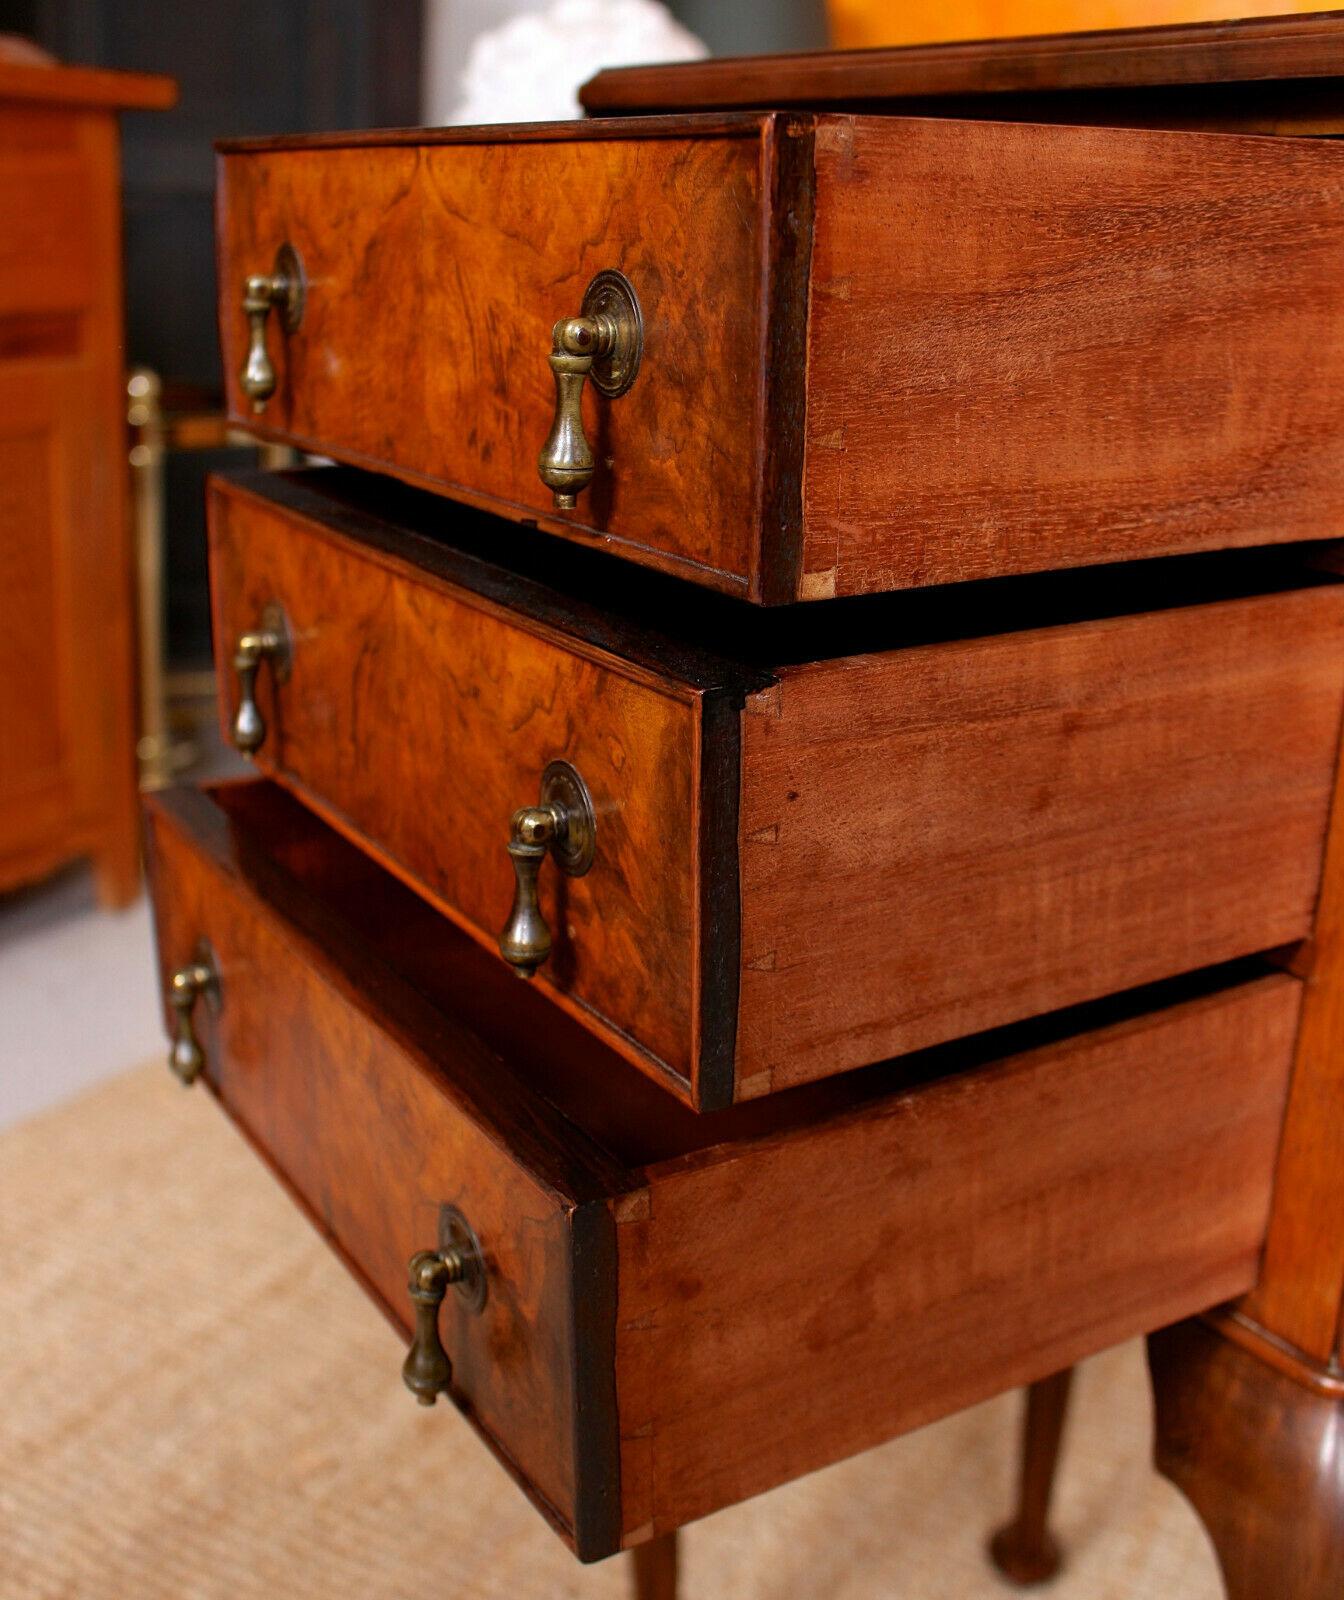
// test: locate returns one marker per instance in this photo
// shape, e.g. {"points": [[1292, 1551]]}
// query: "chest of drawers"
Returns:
{"points": [[67, 646], [925, 978]]}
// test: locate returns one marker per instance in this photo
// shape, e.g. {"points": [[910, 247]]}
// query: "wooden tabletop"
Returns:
{"points": [[86, 86], [1259, 49]]}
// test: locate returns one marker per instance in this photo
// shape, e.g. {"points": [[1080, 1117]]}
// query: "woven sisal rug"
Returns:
{"points": [[196, 1404]]}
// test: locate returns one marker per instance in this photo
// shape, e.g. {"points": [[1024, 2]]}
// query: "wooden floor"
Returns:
{"points": [[198, 1401]]}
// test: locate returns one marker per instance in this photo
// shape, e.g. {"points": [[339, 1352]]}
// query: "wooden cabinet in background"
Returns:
{"points": [[67, 682]]}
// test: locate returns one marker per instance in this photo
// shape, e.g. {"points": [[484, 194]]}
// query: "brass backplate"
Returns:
{"points": [[274, 620], [561, 786], [204, 955], [289, 266], [611, 296], [456, 1233]]}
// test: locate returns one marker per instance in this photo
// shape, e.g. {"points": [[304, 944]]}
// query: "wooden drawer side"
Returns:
{"points": [[1002, 827], [1038, 347], [789, 1303]]}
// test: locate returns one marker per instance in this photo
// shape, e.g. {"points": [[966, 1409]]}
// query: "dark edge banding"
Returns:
{"points": [[674, 125], [720, 901], [792, 207], [597, 1434]]}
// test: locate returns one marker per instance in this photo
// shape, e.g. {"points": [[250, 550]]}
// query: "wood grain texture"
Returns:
{"points": [[376, 1111], [1300, 1296], [1120, 1178], [1257, 1455], [920, 843], [899, 298], [1248, 50], [67, 675], [419, 717], [793, 1301], [446, 264], [945, 838], [1033, 348], [561, 1061]]}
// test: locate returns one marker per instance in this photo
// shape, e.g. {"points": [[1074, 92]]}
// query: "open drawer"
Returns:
{"points": [[819, 837], [876, 352], [668, 1312]]}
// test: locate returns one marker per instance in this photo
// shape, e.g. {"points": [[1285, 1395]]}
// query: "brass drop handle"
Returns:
{"points": [[604, 343], [562, 824], [457, 1263], [284, 289], [196, 980], [427, 1372], [269, 641]]}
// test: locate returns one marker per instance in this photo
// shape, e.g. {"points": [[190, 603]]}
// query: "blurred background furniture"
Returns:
{"points": [[258, 67], [67, 783], [859, 24], [167, 424], [250, 68]]}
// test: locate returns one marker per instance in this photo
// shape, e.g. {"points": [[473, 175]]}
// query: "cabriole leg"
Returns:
{"points": [[1260, 1457]]}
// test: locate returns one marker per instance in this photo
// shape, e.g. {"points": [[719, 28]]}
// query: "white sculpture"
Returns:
{"points": [[529, 68]]}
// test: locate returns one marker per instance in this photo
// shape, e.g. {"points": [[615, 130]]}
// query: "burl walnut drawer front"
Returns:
{"points": [[877, 352], [669, 1312], [798, 867]]}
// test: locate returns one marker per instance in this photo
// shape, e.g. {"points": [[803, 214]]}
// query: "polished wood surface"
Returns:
{"points": [[862, 367], [957, 424], [524, 224], [941, 839], [1007, 813], [794, 1300], [1083, 807], [1255, 50], [620, 1278], [1250, 1401], [67, 675], [1258, 1455], [420, 716], [1250, 1404], [374, 1111], [1300, 1296]]}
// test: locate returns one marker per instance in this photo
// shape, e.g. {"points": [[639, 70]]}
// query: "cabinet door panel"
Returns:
{"points": [[52, 681]]}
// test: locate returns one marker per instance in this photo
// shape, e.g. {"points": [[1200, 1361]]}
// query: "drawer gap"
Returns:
{"points": [[713, 640], [626, 1114]]}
